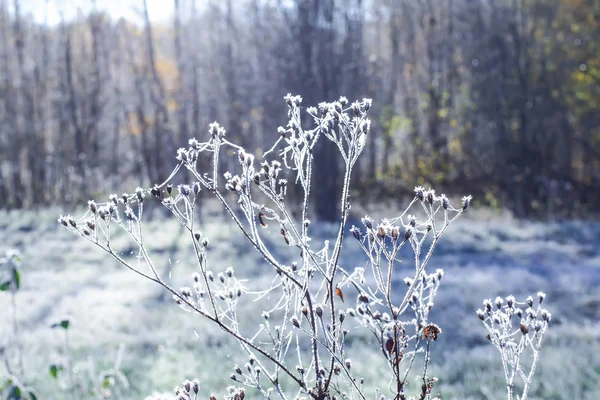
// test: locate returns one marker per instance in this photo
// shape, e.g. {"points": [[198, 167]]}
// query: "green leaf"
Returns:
{"points": [[64, 324], [17, 277], [32, 396], [53, 371], [15, 393], [4, 286]]}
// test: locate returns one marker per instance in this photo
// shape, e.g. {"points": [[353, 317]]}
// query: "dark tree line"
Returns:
{"points": [[497, 98]]}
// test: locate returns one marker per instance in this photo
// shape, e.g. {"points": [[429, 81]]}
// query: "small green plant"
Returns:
{"points": [[79, 380], [15, 386]]}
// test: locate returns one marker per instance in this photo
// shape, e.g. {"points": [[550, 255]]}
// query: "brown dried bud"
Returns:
{"points": [[431, 331], [524, 329]]}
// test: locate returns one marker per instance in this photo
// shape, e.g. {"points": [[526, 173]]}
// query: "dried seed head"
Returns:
{"points": [[408, 233], [480, 314], [487, 303], [420, 192], [92, 206], [155, 191], [431, 331], [445, 202], [523, 328], [355, 232], [541, 296], [139, 192], [395, 233], [546, 315], [466, 201], [510, 301], [295, 322], [336, 369], [530, 301], [498, 302], [348, 363], [408, 281], [319, 311]]}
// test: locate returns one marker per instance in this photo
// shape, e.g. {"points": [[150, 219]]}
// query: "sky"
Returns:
{"points": [[159, 10]]}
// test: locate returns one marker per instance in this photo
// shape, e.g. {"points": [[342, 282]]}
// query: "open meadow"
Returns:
{"points": [[485, 254]]}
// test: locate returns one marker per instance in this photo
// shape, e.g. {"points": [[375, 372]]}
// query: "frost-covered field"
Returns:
{"points": [[483, 255]]}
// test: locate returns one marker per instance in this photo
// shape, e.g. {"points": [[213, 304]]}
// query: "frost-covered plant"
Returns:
{"points": [[299, 345], [516, 344]]}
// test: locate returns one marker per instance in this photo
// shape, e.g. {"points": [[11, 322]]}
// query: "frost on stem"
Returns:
{"points": [[517, 335], [306, 324]]}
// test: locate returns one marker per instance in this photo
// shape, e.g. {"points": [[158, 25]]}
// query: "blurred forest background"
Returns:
{"points": [[496, 98]]}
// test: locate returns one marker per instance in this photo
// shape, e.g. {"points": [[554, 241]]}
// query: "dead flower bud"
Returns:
{"points": [[431, 331], [295, 322], [348, 363], [530, 301], [155, 191], [319, 311], [488, 305], [524, 329], [541, 296], [368, 222], [466, 201], [139, 192], [92, 206], [498, 301], [408, 233], [355, 232], [510, 301], [420, 192], [480, 314], [445, 202]]}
